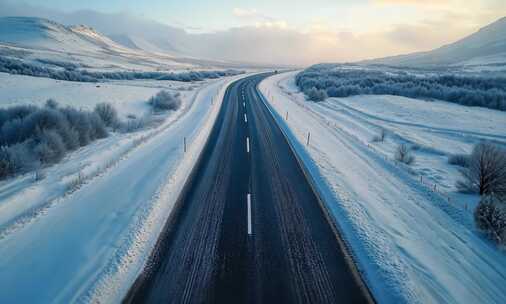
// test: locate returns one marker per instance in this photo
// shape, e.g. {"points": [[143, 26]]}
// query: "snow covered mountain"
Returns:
{"points": [[46, 41], [486, 46], [42, 34]]}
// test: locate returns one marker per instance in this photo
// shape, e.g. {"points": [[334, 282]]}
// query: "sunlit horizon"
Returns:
{"points": [[302, 33]]}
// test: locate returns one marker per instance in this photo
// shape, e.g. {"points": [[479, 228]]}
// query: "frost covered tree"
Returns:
{"points": [[490, 217], [486, 171]]}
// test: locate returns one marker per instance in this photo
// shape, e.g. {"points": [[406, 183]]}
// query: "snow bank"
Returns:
{"points": [[410, 243]]}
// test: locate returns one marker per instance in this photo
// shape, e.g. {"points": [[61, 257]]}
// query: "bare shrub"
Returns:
{"points": [[39, 175], [490, 217], [132, 125], [108, 113], [164, 101], [380, 137], [461, 160], [486, 172], [76, 183], [403, 154]]}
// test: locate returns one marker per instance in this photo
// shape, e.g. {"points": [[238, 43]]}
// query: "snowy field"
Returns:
{"points": [[436, 130], [128, 97], [90, 224], [413, 244]]}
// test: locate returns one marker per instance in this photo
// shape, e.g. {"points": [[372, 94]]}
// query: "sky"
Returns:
{"points": [[297, 31]]}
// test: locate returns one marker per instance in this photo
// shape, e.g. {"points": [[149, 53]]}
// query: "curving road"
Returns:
{"points": [[248, 227]]}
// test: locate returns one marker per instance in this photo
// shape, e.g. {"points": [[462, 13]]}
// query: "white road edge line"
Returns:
{"points": [[245, 118], [250, 228], [247, 144], [244, 105]]}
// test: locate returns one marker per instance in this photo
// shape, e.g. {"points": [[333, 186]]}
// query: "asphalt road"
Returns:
{"points": [[248, 227]]}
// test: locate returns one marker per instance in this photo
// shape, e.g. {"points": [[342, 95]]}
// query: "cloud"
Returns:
{"points": [[248, 13], [412, 2], [258, 19], [251, 14], [264, 39]]}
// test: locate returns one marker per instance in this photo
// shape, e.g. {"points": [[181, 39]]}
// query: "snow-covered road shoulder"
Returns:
{"points": [[92, 244], [411, 245]]}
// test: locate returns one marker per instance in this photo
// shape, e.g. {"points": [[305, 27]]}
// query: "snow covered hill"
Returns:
{"points": [[44, 34], [48, 42], [487, 46]]}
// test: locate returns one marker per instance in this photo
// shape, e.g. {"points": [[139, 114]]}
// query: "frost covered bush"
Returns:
{"points": [[22, 158], [32, 136], [51, 103], [490, 217], [461, 160], [315, 94], [343, 81], [70, 72], [403, 154], [88, 126], [49, 146], [5, 165], [164, 101], [486, 171], [133, 124], [108, 113]]}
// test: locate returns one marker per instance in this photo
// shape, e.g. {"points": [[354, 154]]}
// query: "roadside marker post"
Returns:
{"points": [[184, 144], [308, 137]]}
